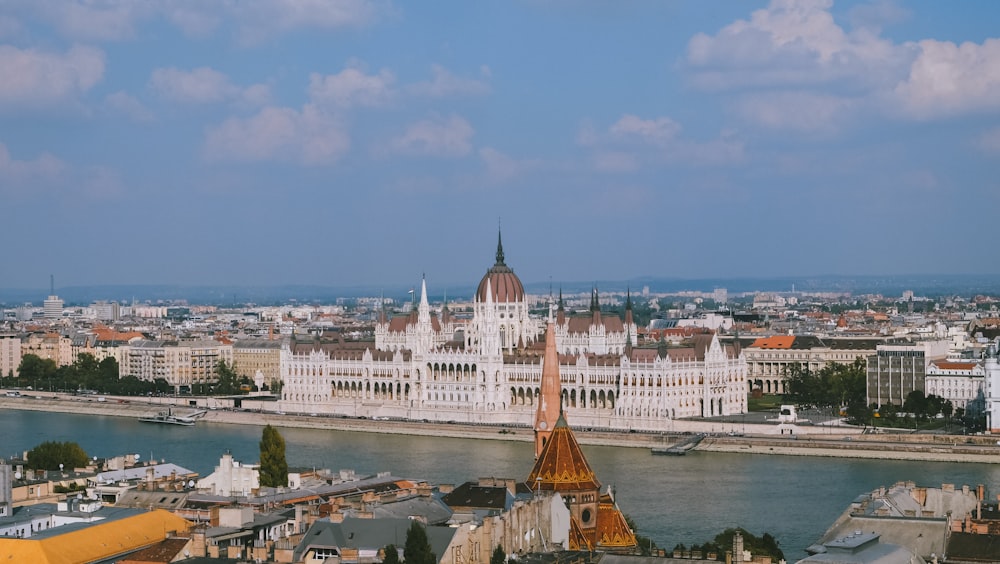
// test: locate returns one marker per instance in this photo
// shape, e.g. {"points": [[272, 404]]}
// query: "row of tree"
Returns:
{"points": [[86, 373], [765, 545], [842, 388]]}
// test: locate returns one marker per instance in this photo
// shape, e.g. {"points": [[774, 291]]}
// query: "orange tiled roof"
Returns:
{"points": [[775, 342], [577, 539], [561, 465], [612, 530], [945, 365]]}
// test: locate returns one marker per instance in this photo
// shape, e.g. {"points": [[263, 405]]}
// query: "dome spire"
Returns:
{"points": [[499, 246]]}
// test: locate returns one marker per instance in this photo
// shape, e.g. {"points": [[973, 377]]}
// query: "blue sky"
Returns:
{"points": [[356, 142]]}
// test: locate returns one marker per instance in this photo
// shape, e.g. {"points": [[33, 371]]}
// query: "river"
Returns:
{"points": [[672, 499]]}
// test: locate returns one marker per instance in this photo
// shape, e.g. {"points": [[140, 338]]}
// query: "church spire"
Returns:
{"points": [[550, 395]]}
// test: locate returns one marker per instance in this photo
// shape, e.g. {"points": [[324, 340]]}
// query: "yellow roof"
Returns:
{"points": [[96, 542]]}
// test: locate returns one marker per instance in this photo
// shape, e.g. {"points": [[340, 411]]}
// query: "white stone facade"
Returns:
{"points": [[956, 381], [422, 367]]}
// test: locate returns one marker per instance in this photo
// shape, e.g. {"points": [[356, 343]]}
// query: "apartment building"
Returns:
{"points": [[181, 363], [10, 354], [251, 356], [53, 346], [897, 369]]}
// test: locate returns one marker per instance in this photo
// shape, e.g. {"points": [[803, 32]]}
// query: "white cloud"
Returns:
{"points": [[439, 137], [798, 111], [659, 130], [36, 78], [657, 142], [252, 20], [792, 43], [28, 174], [796, 46], [309, 136], [261, 19], [876, 14], [948, 79], [47, 174], [204, 85], [989, 141], [500, 166], [352, 87], [444, 83], [101, 20], [123, 103]]}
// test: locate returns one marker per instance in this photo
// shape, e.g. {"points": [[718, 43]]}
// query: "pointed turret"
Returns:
{"points": [[595, 308], [550, 395], [628, 307], [424, 308], [661, 347], [561, 311]]}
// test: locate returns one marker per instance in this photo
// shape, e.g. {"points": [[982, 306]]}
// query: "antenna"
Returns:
{"points": [[52, 284]]}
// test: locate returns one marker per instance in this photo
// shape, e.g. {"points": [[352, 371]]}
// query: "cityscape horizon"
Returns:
{"points": [[923, 284]]}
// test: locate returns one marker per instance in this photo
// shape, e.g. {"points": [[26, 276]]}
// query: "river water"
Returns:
{"points": [[672, 499]]}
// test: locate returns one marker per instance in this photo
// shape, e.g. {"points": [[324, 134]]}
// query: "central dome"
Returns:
{"points": [[505, 285]]}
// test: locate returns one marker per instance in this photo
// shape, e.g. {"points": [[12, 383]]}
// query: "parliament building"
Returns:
{"points": [[488, 369]]}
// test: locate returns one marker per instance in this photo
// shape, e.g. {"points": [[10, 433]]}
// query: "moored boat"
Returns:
{"points": [[168, 418]]}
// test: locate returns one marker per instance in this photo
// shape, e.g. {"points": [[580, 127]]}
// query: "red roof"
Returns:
{"points": [[775, 342]]}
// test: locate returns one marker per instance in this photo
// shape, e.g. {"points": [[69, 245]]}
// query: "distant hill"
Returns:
{"points": [[923, 285]]}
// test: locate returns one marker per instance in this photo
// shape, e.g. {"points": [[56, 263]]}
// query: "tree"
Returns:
{"points": [[34, 370], [418, 549], [50, 454], [763, 546], [228, 382], [498, 556], [273, 466], [390, 554]]}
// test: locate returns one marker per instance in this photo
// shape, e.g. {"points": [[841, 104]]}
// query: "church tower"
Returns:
{"points": [[596, 522], [550, 395]]}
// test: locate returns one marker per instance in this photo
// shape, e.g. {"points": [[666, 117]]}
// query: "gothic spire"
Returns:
{"points": [[499, 248]]}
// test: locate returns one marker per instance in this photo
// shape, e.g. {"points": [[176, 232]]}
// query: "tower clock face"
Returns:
{"points": [[543, 425]]}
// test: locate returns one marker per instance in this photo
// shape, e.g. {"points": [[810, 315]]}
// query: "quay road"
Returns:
{"points": [[759, 439]]}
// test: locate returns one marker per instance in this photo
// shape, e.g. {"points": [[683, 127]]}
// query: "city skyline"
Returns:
{"points": [[363, 143]]}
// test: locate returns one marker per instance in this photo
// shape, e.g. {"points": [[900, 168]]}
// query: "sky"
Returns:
{"points": [[368, 142]]}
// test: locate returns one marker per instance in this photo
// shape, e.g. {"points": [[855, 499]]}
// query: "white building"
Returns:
{"points": [[231, 478], [992, 367], [959, 382], [53, 307], [422, 366]]}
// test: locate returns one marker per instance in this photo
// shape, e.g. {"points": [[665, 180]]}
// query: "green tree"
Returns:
{"points": [[228, 382], [50, 454], [418, 549], [390, 555], [758, 546], [273, 467], [35, 371], [498, 556]]}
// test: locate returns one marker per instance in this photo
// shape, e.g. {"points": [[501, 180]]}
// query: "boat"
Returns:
{"points": [[681, 448], [168, 418]]}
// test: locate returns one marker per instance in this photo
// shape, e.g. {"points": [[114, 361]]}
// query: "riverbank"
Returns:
{"points": [[837, 443]]}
